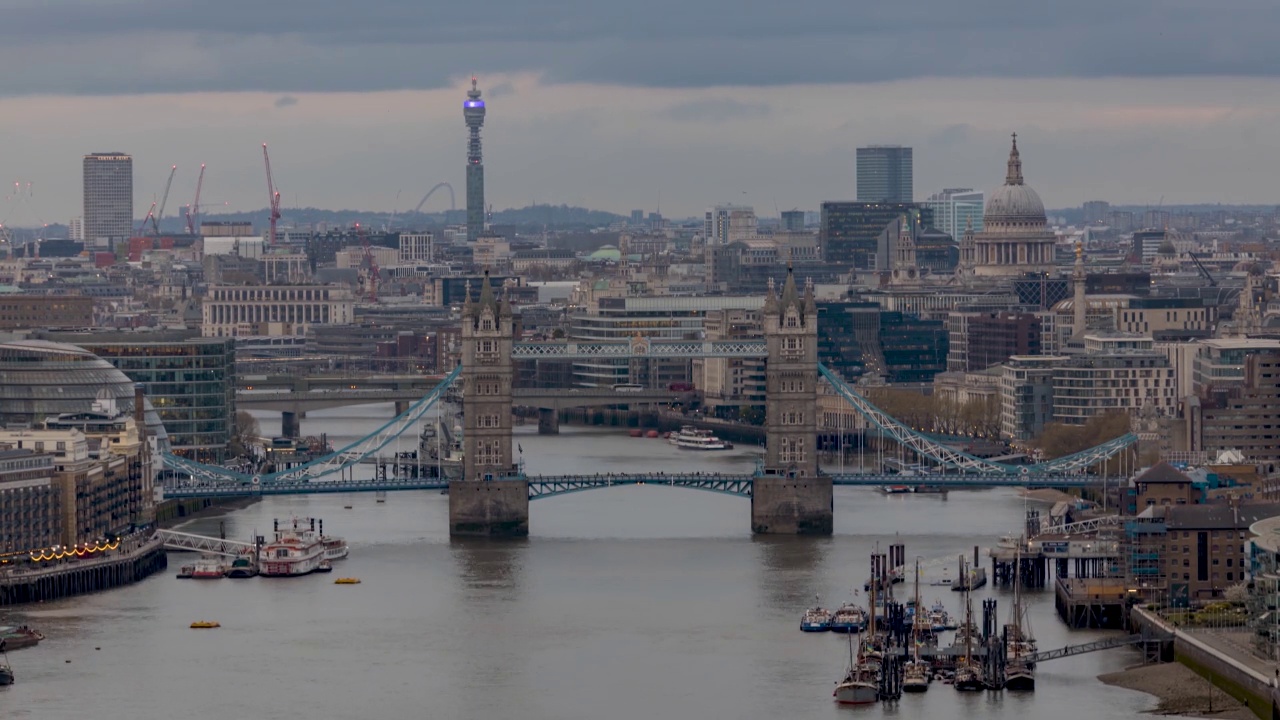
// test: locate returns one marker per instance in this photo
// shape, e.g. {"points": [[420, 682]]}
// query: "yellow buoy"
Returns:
{"points": [[205, 624], [347, 581]]}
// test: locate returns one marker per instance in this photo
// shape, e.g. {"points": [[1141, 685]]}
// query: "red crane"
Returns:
{"points": [[372, 274], [273, 197], [193, 210]]}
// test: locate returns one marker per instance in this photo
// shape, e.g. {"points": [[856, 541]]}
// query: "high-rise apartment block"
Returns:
{"points": [[108, 197], [884, 174]]}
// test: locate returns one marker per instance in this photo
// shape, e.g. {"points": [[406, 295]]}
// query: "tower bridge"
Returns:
{"points": [[788, 493]]}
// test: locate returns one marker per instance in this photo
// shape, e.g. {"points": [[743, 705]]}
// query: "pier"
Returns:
{"points": [[135, 560]]}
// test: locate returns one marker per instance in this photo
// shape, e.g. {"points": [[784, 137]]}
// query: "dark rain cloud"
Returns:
{"points": [[99, 47]]}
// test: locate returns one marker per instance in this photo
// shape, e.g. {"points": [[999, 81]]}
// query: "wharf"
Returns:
{"points": [[1092, 602], [137, 558]]}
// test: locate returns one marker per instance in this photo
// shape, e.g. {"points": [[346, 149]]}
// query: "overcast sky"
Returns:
{"points": [[621, 105]]}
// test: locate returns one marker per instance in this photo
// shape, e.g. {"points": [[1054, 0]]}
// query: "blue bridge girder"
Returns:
{"points": [[543, 486]]}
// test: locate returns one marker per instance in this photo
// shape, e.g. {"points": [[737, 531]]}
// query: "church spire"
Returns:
{"points": [[1014, 175]]}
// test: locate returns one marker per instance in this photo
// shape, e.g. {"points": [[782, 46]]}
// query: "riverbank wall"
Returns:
{"points": [[662, 422], [173, 512], [135, 559], [1230, 674]]}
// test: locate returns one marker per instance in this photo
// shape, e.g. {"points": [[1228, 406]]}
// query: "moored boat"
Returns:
{"points": [[691, 438], [6, 670], [848, 618], [861, 683], [16, 638], [1020, 646], [242, 567], [816, 619], [915, 676], [335, 548], [969, 675], [324, 567], [208, 568], [296, 550]]}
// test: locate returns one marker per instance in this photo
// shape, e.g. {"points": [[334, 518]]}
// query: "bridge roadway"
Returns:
{"points": [[304, 401], [552, 485]]}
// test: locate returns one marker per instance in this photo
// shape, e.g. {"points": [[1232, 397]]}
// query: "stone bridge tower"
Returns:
{"points": [[491, 498], [790, 497]]}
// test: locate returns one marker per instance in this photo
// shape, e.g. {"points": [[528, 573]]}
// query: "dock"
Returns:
{"points": [[137, 558]]}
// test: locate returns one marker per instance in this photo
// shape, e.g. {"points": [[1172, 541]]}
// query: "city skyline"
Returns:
{"points": [[360, 107]]}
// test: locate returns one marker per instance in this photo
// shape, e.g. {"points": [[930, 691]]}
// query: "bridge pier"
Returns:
{"points": [[492, 508], [791, 505], [548, 421], [291, 423]]}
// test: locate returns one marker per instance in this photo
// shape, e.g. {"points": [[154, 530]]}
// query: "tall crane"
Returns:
{"points": [[164, 199], [193, 210], [273, 197], [149, 217]]}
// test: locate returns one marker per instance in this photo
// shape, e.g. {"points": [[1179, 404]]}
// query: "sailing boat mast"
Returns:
{"points": [[915, 619]]}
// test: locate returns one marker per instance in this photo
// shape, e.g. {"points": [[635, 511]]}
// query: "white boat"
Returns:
{"points": [[208, 568], [296, 550], [335, 548], [691, 438]]}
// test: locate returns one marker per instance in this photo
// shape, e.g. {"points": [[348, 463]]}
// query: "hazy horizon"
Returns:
{"points": [[611, 108]]}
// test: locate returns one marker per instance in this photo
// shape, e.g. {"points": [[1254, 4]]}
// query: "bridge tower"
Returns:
{"points": [[492, 498], [790, 496]]}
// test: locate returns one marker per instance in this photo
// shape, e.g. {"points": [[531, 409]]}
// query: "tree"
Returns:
{"points": [[1059, 439], [244, 433]]}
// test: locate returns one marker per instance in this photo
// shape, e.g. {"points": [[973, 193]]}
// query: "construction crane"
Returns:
{"points": [[372, 274], [164, 200], [193, 210], [149, 217], [273, 198], [1203, 271]]}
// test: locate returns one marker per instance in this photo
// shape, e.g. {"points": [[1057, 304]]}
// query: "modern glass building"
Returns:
{"points": [[884, 174], [189, 380], [850, 231], [41, 379], [956, 210]]}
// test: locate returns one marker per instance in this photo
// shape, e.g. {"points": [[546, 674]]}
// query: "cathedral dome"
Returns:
{"points": [[1014, 205]]}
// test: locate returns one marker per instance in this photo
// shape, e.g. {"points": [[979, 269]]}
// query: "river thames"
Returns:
{"points": [[628, 603]]}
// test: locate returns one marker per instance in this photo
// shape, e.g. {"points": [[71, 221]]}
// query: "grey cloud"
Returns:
{"points": [[502, 89], [91, 47], [285, 101], [716, 110]]}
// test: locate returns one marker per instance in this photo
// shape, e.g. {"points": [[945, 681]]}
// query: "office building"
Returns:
{"points": [[724, 224], [26, 312], [44, 379], [108, 198], [473, 111], [850, 231], [731, 386], [189, 380], [994, 337], [884, 174], [256, 310], [793, 221], [416, 248], [956, 210]]}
